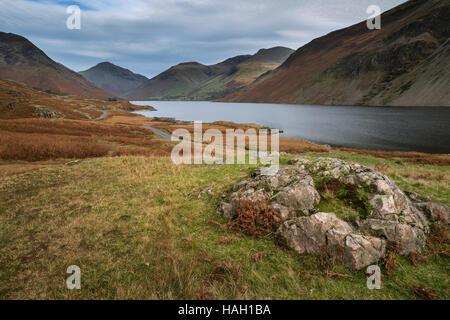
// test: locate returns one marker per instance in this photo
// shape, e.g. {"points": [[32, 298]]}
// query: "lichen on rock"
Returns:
{"points": [[387, 215]]}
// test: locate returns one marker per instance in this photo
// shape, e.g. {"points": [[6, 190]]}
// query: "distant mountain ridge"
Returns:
{"points": [[114, 79], [195, 81], [406, 63], [21, 60]]}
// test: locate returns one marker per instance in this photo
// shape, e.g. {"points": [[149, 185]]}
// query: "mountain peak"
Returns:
{"points": [[275, 55], [113, 78], [22, 61], [195, 81]]}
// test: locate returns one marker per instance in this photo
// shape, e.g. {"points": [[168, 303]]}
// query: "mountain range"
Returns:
{"points": [[405, 63], [195, 81], [21, 60]]}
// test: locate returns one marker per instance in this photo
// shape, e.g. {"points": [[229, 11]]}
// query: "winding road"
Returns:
{"points": [[162, 134], [103, 116]]}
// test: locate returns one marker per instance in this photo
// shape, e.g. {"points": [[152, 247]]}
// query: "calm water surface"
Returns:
{"points": [[425, 129]]}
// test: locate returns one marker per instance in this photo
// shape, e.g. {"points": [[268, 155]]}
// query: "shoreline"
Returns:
{"points": [[325, 145]]}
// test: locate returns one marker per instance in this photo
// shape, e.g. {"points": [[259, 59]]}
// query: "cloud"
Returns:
{"points": [[148, 36]]}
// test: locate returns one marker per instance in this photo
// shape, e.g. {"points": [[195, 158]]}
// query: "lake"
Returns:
{"points": [[425, 129]]}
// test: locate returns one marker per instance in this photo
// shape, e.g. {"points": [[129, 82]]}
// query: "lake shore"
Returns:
{"points": [[372, 128]]}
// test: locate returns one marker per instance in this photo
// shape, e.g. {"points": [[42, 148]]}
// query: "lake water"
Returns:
{"points": [[425, 129]]}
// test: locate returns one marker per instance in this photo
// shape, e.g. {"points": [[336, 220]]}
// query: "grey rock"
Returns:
{"points": [[226, 210], [324, 232], [46, 112], [435, 212], [299, 198], [356, 251], [308, 234], [393, 219], [406, 238]]}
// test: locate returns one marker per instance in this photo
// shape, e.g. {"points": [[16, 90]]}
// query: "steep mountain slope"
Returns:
{"points": [[404, 63], [113, 78], [195, 81], [20, 60]]}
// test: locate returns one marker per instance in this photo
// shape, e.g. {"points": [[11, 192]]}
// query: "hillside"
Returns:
{"points": [[406, 63], [113, 78], [21, 60], [195, 81], [18, 101], [115, 214]]}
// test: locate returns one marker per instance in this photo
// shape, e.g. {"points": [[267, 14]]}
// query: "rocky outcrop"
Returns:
{"points": [[391, 217], [46, 112], [435, 212]]}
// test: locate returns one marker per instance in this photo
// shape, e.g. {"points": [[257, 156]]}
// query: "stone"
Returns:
{"points": [[46, 112], [356, 251], [393, 219], [299, 198], [383, 207], [226, 210], [406, 238], [435, 212], [282, 210], [324, 232], [308, 234]]}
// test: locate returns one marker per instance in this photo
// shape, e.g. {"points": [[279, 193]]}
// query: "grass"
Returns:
{"points": [[43, 139], [143, 228], [430, 181]]}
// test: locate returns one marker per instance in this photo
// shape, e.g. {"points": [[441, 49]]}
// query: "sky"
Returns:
{"points": [[149, 36]]}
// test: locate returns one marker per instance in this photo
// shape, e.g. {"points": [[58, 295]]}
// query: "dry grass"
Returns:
{"points": [[254, 218], [36, 147], [391, 263], [10, 168], [42, 139], [425, 293], [296, 146], [410, 157]]}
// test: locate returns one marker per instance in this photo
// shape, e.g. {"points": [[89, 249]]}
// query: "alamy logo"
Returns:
{"points": [[374, 21], [74, 20], [374, 277], [74, 281], [216, 150]]}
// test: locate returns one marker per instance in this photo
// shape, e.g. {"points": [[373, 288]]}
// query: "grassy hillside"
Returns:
{"points": [[142, 228]]}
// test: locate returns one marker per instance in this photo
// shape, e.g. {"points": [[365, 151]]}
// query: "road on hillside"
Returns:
{"points": [[103, 116], [162, 134]]}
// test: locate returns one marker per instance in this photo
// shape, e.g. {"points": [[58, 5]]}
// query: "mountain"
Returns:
{"points": [[195, 81], [406, 63], [113, 78], [20, 60]]}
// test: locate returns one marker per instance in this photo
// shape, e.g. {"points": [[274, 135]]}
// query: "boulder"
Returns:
{"points": [[434, 212], [393, 217], [299, 198], [325, 233], [308, 234], [226, 210], [406, 238], [355, 250]]}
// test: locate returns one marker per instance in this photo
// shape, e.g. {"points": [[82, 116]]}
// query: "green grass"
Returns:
{"points": [[140, 228]]}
